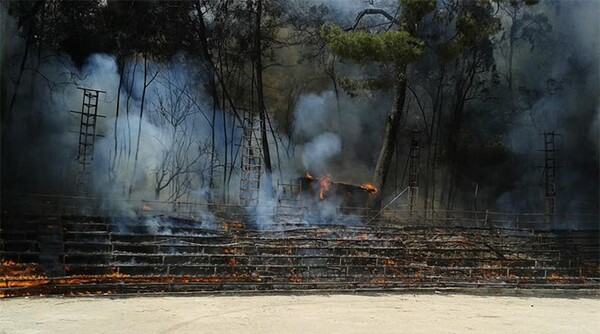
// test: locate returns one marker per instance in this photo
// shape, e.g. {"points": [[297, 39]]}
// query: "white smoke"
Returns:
{"points": [[317, 152], [339, 136]]}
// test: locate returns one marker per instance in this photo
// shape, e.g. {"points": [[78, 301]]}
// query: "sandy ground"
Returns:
{"points": [[387, 313]]}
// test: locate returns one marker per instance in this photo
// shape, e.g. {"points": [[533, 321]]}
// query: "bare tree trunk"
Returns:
{"points": [[112, 170], [434, 159], [225, 155], [429, 195], [332, 76], [215, 97], [139, 134], [462, 89], [7, 117], [262, 110], [389, 139], [228, 172], [213, 153], [129, 93], [511, 52]]}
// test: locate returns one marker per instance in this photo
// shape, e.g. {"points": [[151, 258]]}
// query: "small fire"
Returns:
{"points": [[325, 182], [309, 177], [146, 207], [12, 269], [370, 188]]}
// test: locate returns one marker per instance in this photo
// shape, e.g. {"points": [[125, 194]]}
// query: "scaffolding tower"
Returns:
{"points": [[87, 137], [549, 175], [413, 169], [251, 161]]}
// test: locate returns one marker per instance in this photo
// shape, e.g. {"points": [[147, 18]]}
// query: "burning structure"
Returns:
{"points": [[317, 235], [145, 197], [67, 254], [324, 188]]}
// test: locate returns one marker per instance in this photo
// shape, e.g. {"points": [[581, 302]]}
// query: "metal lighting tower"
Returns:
{"points": [[413, 169], [87, 138], [251, 161], [549, 176]]}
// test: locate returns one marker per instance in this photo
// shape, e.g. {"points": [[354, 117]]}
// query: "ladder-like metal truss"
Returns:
{"points": [[549, 174], [251, 161], [413, 169], [87, 137]]}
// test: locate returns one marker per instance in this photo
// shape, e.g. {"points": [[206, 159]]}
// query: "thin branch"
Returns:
{"points": [[373, 11]]}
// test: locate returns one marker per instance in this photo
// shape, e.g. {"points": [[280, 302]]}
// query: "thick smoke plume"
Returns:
{"points": [[339, 136], [560, 97], [174, 160], [333, 133]]}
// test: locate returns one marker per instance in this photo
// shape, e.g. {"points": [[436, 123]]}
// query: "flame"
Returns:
{"points": [[325, 182], [10, 268], [370, 188], [28, 279], [23, 281], [228, 226], [309, 177], [293, 277], [146, 207]]}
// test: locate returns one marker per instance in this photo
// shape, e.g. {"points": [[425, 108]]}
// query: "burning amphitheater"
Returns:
{"points": [[317, 239], [314, 233]]}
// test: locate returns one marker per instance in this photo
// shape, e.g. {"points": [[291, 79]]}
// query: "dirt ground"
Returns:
{"points": [[384, 313]]}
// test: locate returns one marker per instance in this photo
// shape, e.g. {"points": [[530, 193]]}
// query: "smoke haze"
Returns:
{"points": [[558, 85]]}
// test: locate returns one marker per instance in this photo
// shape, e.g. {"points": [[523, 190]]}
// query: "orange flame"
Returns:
{"points": [[10, 268], [325, 182], [146, 207], [370, 188], [308, 176]]}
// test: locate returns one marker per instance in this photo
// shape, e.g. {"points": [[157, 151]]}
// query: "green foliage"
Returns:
{"points": [[397, 48], [391, 47], [350, 86], [414, 12], [417, 9], [475, 26]]}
